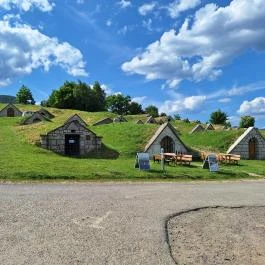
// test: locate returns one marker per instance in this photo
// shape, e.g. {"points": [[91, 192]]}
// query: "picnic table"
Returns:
{"points": [[228, 158], [174, 158]]}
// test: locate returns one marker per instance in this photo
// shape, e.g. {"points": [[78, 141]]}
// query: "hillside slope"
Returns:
{"points": [[21, 158]]}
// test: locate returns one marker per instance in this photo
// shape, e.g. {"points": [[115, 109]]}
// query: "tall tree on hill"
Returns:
{"points": [[24, 96], [247, 121], [218, 117], [77, 95], [100, 97], [152, 110], [118, 104], [135, 108]]}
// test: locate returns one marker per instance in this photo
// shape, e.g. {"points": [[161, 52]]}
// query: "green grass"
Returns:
{"points": [[21, 159]]}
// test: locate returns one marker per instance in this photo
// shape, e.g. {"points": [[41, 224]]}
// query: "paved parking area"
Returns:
{"points": [[104, 223]]}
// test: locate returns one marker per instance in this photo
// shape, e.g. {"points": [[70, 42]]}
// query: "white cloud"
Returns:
{"points": [[23, 49], [179, 6], [253, 107], [224, 100], [196, 52], [124, 3], [139, 100], [147, 8], [147, 24], [109, 23], [26, 5], [123, 30], [183, 105], [107, 89]]}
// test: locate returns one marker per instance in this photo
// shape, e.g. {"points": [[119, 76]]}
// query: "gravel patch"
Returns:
{"points": [[218, 236]]}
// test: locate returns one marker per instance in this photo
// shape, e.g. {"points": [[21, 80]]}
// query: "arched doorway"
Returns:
{"points": [[10, 112], [168, 144], [252, 144], [36, 120]]}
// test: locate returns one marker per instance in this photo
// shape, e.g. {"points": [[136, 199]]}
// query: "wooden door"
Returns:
{"points": [[168, 144], [252, 149], [10, 112], [72, 144]]}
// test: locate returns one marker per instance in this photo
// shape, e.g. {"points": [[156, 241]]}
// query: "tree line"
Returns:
{"points": [[81, 96]]}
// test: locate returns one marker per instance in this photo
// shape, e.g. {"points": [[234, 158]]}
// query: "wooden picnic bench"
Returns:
{"points": [[174, 158], [228, 158]]}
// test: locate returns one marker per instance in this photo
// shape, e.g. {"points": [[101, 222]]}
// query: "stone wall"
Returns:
{"points": [[55, 140], [35, 117], [3, 112], [155, 148], [242, 148]]}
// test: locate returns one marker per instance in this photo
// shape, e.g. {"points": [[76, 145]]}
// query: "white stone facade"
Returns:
{"points": [[241, 146], [154, 146]]}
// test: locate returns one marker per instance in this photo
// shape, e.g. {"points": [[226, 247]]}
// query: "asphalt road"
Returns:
{"points": [[104, 223]]}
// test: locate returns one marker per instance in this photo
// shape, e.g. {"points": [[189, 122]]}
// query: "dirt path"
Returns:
{"points": [[218, 236]]}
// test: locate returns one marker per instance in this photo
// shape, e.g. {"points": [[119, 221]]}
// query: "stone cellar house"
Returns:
{"points": [[150, 120], [34, 118], [76, 117], [10, 110], [250, 145], [209, 127], [72, 138], [197, 128], [139, 122], [46, 113], [165, 137], [103, 122]]}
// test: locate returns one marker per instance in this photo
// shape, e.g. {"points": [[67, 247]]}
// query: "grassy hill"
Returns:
{"points": [[21, 158]]}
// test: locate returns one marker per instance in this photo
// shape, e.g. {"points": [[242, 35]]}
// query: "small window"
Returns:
{"points": [[73, 131], [88, 137]]}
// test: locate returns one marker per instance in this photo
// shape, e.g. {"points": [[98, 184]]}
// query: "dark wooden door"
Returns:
{"points": [[72, 144], [252, 148], [168, 144], [10, 112]]}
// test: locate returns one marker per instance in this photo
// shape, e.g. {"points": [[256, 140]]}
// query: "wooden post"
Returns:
{"points": [[162, 159]]}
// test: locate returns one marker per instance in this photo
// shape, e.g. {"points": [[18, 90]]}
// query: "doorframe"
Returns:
{"points": [[65, 139], [253, 140]]}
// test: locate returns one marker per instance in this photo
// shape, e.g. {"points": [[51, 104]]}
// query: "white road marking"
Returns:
{"points": [[95, 221]]}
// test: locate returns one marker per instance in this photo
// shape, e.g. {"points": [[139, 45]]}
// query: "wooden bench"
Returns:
{"points": [[186, 159], [228, 158], [157, 158], [234, 158]]}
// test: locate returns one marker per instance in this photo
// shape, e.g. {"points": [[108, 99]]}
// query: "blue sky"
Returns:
{"points": [[189, 57]]}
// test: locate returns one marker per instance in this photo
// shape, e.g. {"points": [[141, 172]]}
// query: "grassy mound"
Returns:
{"points": [[21, 158]]}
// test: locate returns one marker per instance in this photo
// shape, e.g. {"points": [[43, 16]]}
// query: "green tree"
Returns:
{"points": [[118, 103], [78, 95], [100, 97], [24, 96], [152, 110], [218, 117], [177, 117], [246, 121], [135, 108]]}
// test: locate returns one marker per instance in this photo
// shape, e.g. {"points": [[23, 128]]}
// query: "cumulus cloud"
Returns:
{"points": [[224, 100], [196, 52], [184, 105], [147, 8], [23, 49], [179, 6], [124, 3], [139, 100], [26, 5], [253, 107]]}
